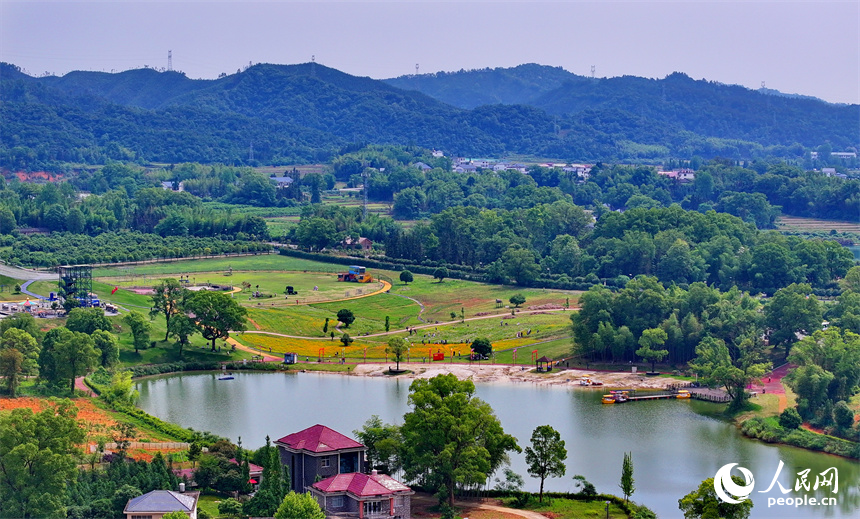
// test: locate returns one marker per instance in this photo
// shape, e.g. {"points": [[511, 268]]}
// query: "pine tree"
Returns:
{"points": [[627, 486]]}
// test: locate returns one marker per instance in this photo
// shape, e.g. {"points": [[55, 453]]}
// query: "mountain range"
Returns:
{"points": [[307, 112]]}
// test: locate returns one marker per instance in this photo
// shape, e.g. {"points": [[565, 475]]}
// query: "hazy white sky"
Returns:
{"points": [[810, 48]]}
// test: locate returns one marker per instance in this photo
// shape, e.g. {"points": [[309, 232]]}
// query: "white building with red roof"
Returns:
{"points": [[358, 495], [319, 451]]}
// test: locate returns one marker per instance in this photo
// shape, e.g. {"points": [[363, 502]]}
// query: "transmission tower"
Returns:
{"points": [[365, 174], [593, 68], [251, 153], [169, 60], [313, 65], [416, 69]]}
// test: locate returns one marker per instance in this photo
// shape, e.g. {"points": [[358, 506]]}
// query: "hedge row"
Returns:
{"points": [[172, 367], [769, 430], [170, 429], [454, 271]]}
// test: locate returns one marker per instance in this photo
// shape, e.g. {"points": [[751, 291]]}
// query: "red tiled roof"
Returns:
{"points": [[252, 468], [319, 438], [362, 485]]}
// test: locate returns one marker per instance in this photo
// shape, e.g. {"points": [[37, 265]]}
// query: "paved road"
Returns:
{"points": [[26, 274], [24, 290]]}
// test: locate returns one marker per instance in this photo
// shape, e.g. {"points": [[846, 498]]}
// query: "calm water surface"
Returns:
{"points": [[675, 444]]}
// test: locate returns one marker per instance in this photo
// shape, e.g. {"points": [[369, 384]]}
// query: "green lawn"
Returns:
{"points": [[572, 509], [246, 263]]}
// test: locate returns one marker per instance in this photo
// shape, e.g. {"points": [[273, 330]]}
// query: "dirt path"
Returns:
{"points": [[489, 509]]}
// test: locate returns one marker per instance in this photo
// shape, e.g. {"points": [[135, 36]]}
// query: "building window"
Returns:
{"points": [[372, 507], [337, 502], [325, 462], [141, 517]]}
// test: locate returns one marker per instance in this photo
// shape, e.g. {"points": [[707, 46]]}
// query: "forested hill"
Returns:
{"points": [[704, 107], [308, 112], [522, 84]]}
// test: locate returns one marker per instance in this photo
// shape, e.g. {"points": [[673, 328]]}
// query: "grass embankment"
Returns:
{"points": [[571, 507]]}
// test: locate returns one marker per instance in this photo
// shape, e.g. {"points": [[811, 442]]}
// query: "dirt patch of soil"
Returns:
{"points": [[514, 374]]}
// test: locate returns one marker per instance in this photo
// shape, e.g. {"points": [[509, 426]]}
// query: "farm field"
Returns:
{"points": [[796, 223]]}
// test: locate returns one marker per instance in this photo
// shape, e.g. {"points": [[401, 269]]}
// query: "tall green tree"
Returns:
{"points": [[140, 329], [66, 355], [88, 320], [731, 367], [11, 362], [482, 346], [182, 327], [37, 458], [521, 265], [24, 343], [545, 458], [105, 343], [216, 314], [451, 437], [406, 277], [397, 348], [383, 442], [627, 486], [167, 300], [828, 368], [650, 339], [346, 317], [792, 310]]}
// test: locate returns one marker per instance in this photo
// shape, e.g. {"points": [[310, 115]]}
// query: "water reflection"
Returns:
{"points": [[674, 445]]}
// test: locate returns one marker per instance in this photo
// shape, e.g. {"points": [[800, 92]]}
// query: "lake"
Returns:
{"points": [[675, 444]]}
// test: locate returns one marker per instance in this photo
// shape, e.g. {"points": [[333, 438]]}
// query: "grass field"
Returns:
{"points": [[424, 303]]}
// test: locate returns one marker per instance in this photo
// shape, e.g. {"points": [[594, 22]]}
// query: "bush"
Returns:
{"points": [[790, 419]]}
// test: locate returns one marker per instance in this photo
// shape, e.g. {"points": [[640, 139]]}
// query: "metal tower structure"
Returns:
{"points": [[76, 282], [169, 60]]}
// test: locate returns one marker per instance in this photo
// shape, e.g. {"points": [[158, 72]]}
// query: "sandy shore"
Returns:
{"points": [[515, 374]]}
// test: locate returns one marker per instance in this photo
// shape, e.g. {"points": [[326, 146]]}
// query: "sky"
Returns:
{"points": [[810, 48]]}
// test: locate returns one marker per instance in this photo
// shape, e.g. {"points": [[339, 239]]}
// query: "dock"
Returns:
{"points": [[671, 393]]}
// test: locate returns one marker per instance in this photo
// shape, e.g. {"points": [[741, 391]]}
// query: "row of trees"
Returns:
{"points": [[66, 248], [555, 242]]}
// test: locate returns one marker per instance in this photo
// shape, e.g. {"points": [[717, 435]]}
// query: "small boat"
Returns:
{"points": [[608, 399], [226, 377], [683, 393], [596, 383]]}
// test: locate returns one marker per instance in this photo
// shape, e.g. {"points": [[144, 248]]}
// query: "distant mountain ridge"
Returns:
{"points": [[302, 112]]}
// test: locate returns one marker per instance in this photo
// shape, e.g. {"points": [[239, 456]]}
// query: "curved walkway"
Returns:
{"points": [[416, 301], [25, 291]]}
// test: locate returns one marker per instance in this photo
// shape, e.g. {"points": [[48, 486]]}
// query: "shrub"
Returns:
{"points": [[790, 419]]}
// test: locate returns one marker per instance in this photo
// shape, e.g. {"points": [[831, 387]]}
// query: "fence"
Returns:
{"points": [[146, 446]]}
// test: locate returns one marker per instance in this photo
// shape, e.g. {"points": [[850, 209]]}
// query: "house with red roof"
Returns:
{"points": [[319, 451], [361, 496]]}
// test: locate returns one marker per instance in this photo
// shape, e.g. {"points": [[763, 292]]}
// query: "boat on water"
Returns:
{"points": [[226, 377], [683, 393], [616, 397]]}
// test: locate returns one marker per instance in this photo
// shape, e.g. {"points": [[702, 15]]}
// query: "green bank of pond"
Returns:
{"points": [[675, 444]]}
